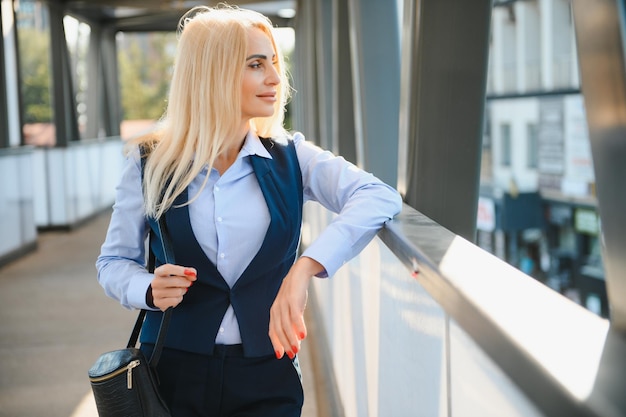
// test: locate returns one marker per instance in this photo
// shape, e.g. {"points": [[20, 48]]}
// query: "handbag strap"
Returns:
{"points": [[167, 315], [132, 342]]}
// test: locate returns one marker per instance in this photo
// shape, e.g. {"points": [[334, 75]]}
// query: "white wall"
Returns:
{"points": [[518, 113]]}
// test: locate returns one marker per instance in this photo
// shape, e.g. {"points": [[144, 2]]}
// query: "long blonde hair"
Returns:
{"points": [[204, 107]]}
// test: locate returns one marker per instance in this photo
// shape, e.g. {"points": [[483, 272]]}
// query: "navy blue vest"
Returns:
{"points": [[196, 321]]}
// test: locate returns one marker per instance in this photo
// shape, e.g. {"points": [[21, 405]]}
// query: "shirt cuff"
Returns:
{"points": [[332, 249], [137, 291]]}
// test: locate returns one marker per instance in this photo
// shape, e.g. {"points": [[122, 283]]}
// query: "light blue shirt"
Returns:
{"points": [[229, 218]]}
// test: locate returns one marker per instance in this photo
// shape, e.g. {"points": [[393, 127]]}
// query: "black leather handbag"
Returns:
{"points": [[124, 382]]}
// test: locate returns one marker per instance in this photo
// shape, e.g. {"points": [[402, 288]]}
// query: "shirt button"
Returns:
{"points": [[219, 219], [222, 255], [221, 330], [217, 188]]}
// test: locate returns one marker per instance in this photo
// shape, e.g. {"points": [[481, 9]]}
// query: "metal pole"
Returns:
{"points": [[445, 55], [599, 26]]}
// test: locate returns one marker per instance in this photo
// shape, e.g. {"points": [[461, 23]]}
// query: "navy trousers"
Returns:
{"points": [[226, 384]]}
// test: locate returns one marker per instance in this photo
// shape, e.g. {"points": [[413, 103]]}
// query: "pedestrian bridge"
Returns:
{"points": [[423, 322]]}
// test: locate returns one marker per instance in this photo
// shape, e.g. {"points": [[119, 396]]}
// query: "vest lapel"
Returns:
{"points": [[281, 185], [281, 196]]}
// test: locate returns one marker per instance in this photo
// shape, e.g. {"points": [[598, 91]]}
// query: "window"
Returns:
{"points": [[532, 146], [77, 35], [563, 34], [509, 52], [33, 29], [532, 46], [145, 69], [505, 150]]}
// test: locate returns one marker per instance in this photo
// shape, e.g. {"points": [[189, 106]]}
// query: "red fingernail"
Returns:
{"points": [[189, 272], [291, 355], [302, 335], [294, 349], [278, 355]]}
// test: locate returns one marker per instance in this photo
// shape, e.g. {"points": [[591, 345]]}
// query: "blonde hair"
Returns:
{"points": [[203, 112]]}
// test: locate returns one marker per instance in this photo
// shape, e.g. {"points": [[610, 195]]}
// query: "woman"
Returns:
{"points": [[230, 184]]}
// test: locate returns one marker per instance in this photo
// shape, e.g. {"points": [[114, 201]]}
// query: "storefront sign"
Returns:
{"points": [[586, 221], [551, 141], [560, 215], [486, 217], [579, 163]]}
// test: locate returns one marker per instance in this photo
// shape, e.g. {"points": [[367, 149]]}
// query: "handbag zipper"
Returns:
{"points": [[129, 374]]}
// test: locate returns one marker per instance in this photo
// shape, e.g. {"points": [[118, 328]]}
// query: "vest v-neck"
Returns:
{"points": [[275, 236], [196, 321]]}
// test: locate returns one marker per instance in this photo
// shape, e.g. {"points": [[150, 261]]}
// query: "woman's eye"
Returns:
{"points": [[255, 65]]}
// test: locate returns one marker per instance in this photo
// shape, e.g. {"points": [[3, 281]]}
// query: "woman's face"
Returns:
{"points": [[260, 77]]}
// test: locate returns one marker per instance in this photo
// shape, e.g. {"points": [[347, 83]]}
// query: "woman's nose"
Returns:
{"points": [[273, 78]]}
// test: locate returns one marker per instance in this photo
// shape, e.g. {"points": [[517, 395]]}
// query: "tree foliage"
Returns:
{"points": [[145, 64], [35, 71]]}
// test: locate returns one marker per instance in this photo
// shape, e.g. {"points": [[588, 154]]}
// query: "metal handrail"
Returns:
{"points": [[566, 360]]}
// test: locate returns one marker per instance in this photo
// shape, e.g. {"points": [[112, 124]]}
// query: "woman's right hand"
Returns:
{"points": [[170, 284]]}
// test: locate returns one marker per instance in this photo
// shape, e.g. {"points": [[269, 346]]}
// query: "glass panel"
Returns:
{"points": [[541, 152], [17, 222], [77, 36], [9, 205], [33, 29], [145, 68]]}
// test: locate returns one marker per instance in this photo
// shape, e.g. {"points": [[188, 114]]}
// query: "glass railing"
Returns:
{"points": [[44, 187], [18, 232], [77, 182], [424, 322]]}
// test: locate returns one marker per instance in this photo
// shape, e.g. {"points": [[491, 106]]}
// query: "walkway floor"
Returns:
{"points": [[56, 320]]}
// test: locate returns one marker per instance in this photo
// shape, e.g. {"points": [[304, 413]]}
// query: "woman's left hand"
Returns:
{"points": [[287, 328]]}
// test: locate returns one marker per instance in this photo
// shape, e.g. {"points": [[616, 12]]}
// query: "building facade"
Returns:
{"points": [[537, 206]]}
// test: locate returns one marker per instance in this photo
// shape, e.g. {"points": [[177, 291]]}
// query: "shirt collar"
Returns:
{"points": [[253, 146]]}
